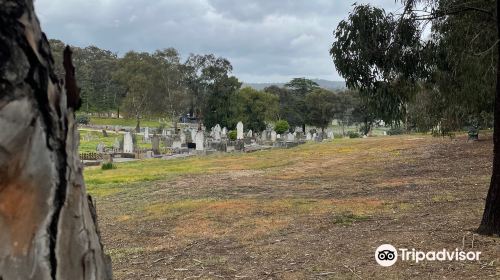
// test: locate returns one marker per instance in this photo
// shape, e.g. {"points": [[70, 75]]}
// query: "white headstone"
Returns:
{"points": [[176, 145], [200, 141], [308, 136], [314, 136], [183, 137], [164, 133], [263, 136], [239, 131], [217, 133], [278, 136], [224, 132], [273, 135], [193, 134], [116, 144], [128, 143], [146, 134], [329, 134], [290, 137], [100, 148], [250, 133]]}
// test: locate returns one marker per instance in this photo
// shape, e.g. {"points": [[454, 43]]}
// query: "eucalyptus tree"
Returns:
{"points": [[378, 55], [477, 70], [459, 64], [320, 104], [136, 73]]}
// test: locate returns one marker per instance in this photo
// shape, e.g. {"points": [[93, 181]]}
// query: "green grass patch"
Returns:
{"points": [[127, 122], [348, 218]]}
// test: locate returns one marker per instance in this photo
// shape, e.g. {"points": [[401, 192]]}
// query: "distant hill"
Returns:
{"points": [[326, 84]]}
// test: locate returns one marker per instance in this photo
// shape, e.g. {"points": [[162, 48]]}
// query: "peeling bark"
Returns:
{"points": [[48, 228]]}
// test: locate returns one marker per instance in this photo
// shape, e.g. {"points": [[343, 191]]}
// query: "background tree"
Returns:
{"points": [[320, 104], [172, 97], [346, 108], [296, 106], [48, 226], [255, 108], [288, 101], [135, 73]]}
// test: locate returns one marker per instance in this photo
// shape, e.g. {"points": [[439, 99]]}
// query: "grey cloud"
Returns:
{"points": [[264, 40]]}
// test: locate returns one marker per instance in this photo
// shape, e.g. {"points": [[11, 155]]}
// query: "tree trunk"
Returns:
{"points": [[48, 227], [490, 223]]}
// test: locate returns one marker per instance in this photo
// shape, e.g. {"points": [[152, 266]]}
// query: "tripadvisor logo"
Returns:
{"points": [[387, 255]]}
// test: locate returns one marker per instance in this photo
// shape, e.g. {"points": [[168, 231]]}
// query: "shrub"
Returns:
{"points": [[108, 166], [352, 134], [281, 126], [82, 119], [232, 135]]}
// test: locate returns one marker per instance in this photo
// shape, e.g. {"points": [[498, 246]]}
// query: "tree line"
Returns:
{"points": [[161, 84]]}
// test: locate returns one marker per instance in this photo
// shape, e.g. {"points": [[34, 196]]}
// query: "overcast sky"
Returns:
{"points": [[265, 40]]}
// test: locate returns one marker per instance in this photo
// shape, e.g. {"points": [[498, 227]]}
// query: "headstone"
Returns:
{"points": [[290, 137], [329, 134], [128, 143], [182, 137], [273, 136], [308, 136], [315, 136], [176, 144], [104, 133], [107, 158], [146, 134], [217, 133], [239, 131], [250, 133], [193, 134], [164, 133], [298, 129], [156, 144], [100, 148], [278, 136], [116, 144], [224, 132], [200, 141], [263, 136]]}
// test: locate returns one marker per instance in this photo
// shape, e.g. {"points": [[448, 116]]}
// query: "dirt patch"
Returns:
{"points": [[319, 216]]}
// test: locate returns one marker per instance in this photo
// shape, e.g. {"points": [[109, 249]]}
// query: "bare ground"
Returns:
{"points": [[319, 216]]}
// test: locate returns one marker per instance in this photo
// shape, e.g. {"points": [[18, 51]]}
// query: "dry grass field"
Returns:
{"points": [[317, 211]]}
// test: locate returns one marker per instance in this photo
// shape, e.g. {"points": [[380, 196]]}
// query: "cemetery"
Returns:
{"points": [[235, 156], [123, 144]]}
